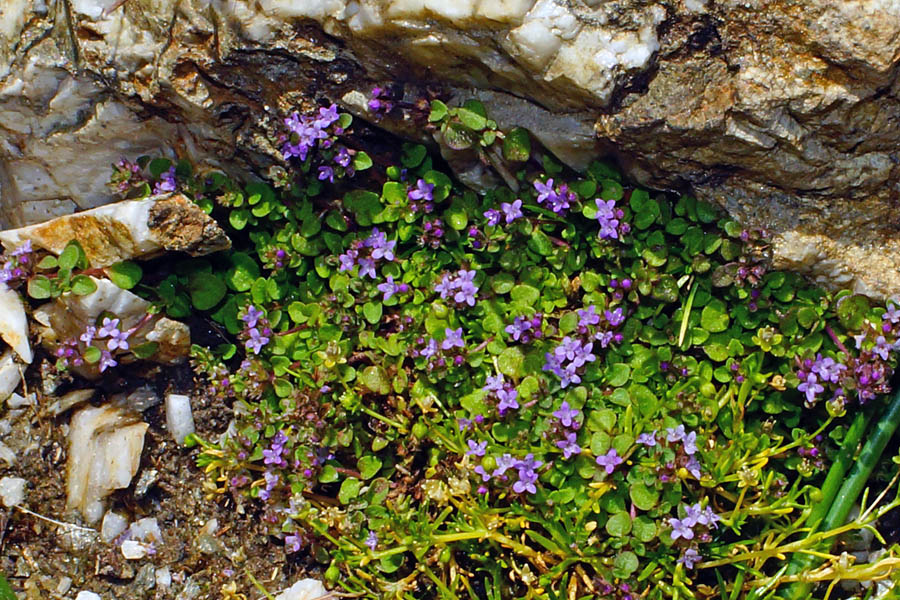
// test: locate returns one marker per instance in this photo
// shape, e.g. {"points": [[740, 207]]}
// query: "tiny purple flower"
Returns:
{"points": [[367, 267], [609, 461], [493, 216], [422, 191], [675, 434], [588, 316], [326, 172], [372, 541], [681, 529], [512, 211], [251, 318], [690, 558], [569, 446], [108, 326], [454, 338], [507, 400], [647, 439], [106, 360], [566, 414], [476, 448]]}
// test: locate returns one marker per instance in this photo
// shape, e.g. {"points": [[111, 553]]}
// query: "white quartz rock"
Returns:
{"points": [[305, 589], [12, 491], [14, 323], [179, 418], [134, 550], [105, 445], [113, 525], [146, 530], [85, 595], [10, 374]]}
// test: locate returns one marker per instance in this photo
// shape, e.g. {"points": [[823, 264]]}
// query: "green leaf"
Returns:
{"points": [[70, 255], [502, 283], [413, 155], [82, 285], [158, 166], [471, 119], [438, 112], [40, 288], [48, 262], [510, 362], [125, 274], [851, 311], [714, 317], [368, 466], [349, 490], [618, 374], [6, 592], [362, 161], [372, 312], [206, 290], [91, 354], [625, 564], [243, 272], [619, 524], [329, 474], [145, 350], [517, 145], [239, 218], [644, 497], [525, 294], [375, 378]]}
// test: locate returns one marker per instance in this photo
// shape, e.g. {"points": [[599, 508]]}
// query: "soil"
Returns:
{"points": [[43, 560]]}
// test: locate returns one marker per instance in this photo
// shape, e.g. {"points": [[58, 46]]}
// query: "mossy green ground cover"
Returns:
{"points": [[565, 387]]}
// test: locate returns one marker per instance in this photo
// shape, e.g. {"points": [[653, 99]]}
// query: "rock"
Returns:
{"points": [[789, 122], [18, 401], [85, 595], [179, 418], [146, 530], [163, 577], [70, 400], [305, 589], [112, 526], [67, 316], [105, 445], [133, 550], [147, 479], [12, 491], [127, 230], [14, 323], [10, 374]]}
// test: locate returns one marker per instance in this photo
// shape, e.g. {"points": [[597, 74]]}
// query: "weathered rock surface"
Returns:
{"points": [[784, 111], [127, 230]]}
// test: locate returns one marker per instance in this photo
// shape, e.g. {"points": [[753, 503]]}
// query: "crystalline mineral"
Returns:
{"points": [[105, 445], [305, 589], [179, 418], [14, 323], [12, 491]]}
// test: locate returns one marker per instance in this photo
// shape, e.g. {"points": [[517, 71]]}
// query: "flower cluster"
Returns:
{"points": [[452, 347], [125, 176], [273, 454], [18, 266], [525, 468], [459, 287], [610, 219], [558, 199], [567, 425], [307, 131], [113, 341], [686, 452], [502, 392], [567, 358], [509, 212], [166, 183], [257, 332], [696, 523], [421, 197], [380, 104], [524, 330], [366, 253], [432, 233]]}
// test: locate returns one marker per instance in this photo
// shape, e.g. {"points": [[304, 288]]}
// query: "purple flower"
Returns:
{"points": [[882, 347], [681, 529], [512, 211], [326, 172], [327, 116], [615, 317], [293, 543], [828, 369], [166, 182], [494, 383], [692, 514], [690, 558], [485, 476], [461, 286], [118, 340], [545, 191], [675, 434], [108, 326], [504, 463], [106, 360], [372, 541], [430, 349], [378, 105], [569, 446], [493, 216], [588, 316], [251, 318], [647, 439], [256, 341], [453, 338], [88, 336], [476, 448], [422, 191], [566, 414], [526, 482], [609, 461], [520, 325], [893, 313], [811, 388], [708, 517], [507, 399], [22, 249], [607, 218], [390, 288], [693, 467], [342, 157], [690, 443], [348, 260], [367, 267]]}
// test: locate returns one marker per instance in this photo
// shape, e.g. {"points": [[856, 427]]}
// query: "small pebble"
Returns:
{"points": [[133, 550], [113, 525], [85, 595], [12, 491], [179, 418]]}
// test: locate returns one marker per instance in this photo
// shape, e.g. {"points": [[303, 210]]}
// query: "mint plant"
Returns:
{"points": [[565, 387]]}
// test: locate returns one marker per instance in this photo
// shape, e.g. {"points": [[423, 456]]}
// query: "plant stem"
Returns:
{"points": [[848, 493]]}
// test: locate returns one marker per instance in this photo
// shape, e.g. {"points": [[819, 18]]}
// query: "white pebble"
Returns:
{"points": [[133, 550], [146, 530], [85, 595], [113, 525], [305, 589], [163, 577], [12, 491], [179, 418], [7, 454]]}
